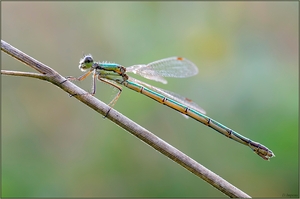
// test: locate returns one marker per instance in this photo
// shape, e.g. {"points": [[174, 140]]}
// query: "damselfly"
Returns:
{"points": [[114, 74]]}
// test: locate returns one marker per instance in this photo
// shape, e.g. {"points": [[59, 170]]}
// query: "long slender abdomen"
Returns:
{"points": [[258, 148]]}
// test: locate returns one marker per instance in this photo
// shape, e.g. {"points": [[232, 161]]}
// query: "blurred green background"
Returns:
{"points": [[247, 55]]}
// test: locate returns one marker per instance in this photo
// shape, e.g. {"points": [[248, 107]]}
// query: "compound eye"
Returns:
{"points": [[88, 60]]}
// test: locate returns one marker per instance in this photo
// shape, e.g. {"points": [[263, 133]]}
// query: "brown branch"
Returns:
{"points": [[143, 134]]}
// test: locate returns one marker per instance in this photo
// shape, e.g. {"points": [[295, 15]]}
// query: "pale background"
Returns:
{"points": [[247, 55]]}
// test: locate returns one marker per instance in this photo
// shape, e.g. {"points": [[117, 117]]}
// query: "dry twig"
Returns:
{"points": [[48, 74]]}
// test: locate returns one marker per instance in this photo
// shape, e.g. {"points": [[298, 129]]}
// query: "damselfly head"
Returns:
{"points": [[86, 62]]}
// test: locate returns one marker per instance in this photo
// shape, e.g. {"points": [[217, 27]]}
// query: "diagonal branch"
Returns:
{"points": [[143, 134]]}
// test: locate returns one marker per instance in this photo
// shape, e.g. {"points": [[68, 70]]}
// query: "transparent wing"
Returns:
{"points": [[174, 96], [177, 67]]}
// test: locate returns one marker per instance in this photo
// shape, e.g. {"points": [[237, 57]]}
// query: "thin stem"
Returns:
{"points": [[143, 134], [23, 74]]}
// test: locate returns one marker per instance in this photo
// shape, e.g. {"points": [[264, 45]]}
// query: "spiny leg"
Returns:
{"points": [[94, 84], [113, 102], [71, 78], [80, 78]]}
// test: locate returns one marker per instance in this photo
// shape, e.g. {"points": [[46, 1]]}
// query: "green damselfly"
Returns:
{"points": [[114, 74]]}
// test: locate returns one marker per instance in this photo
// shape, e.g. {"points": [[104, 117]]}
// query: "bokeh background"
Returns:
{"points": [[247, 55]]}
